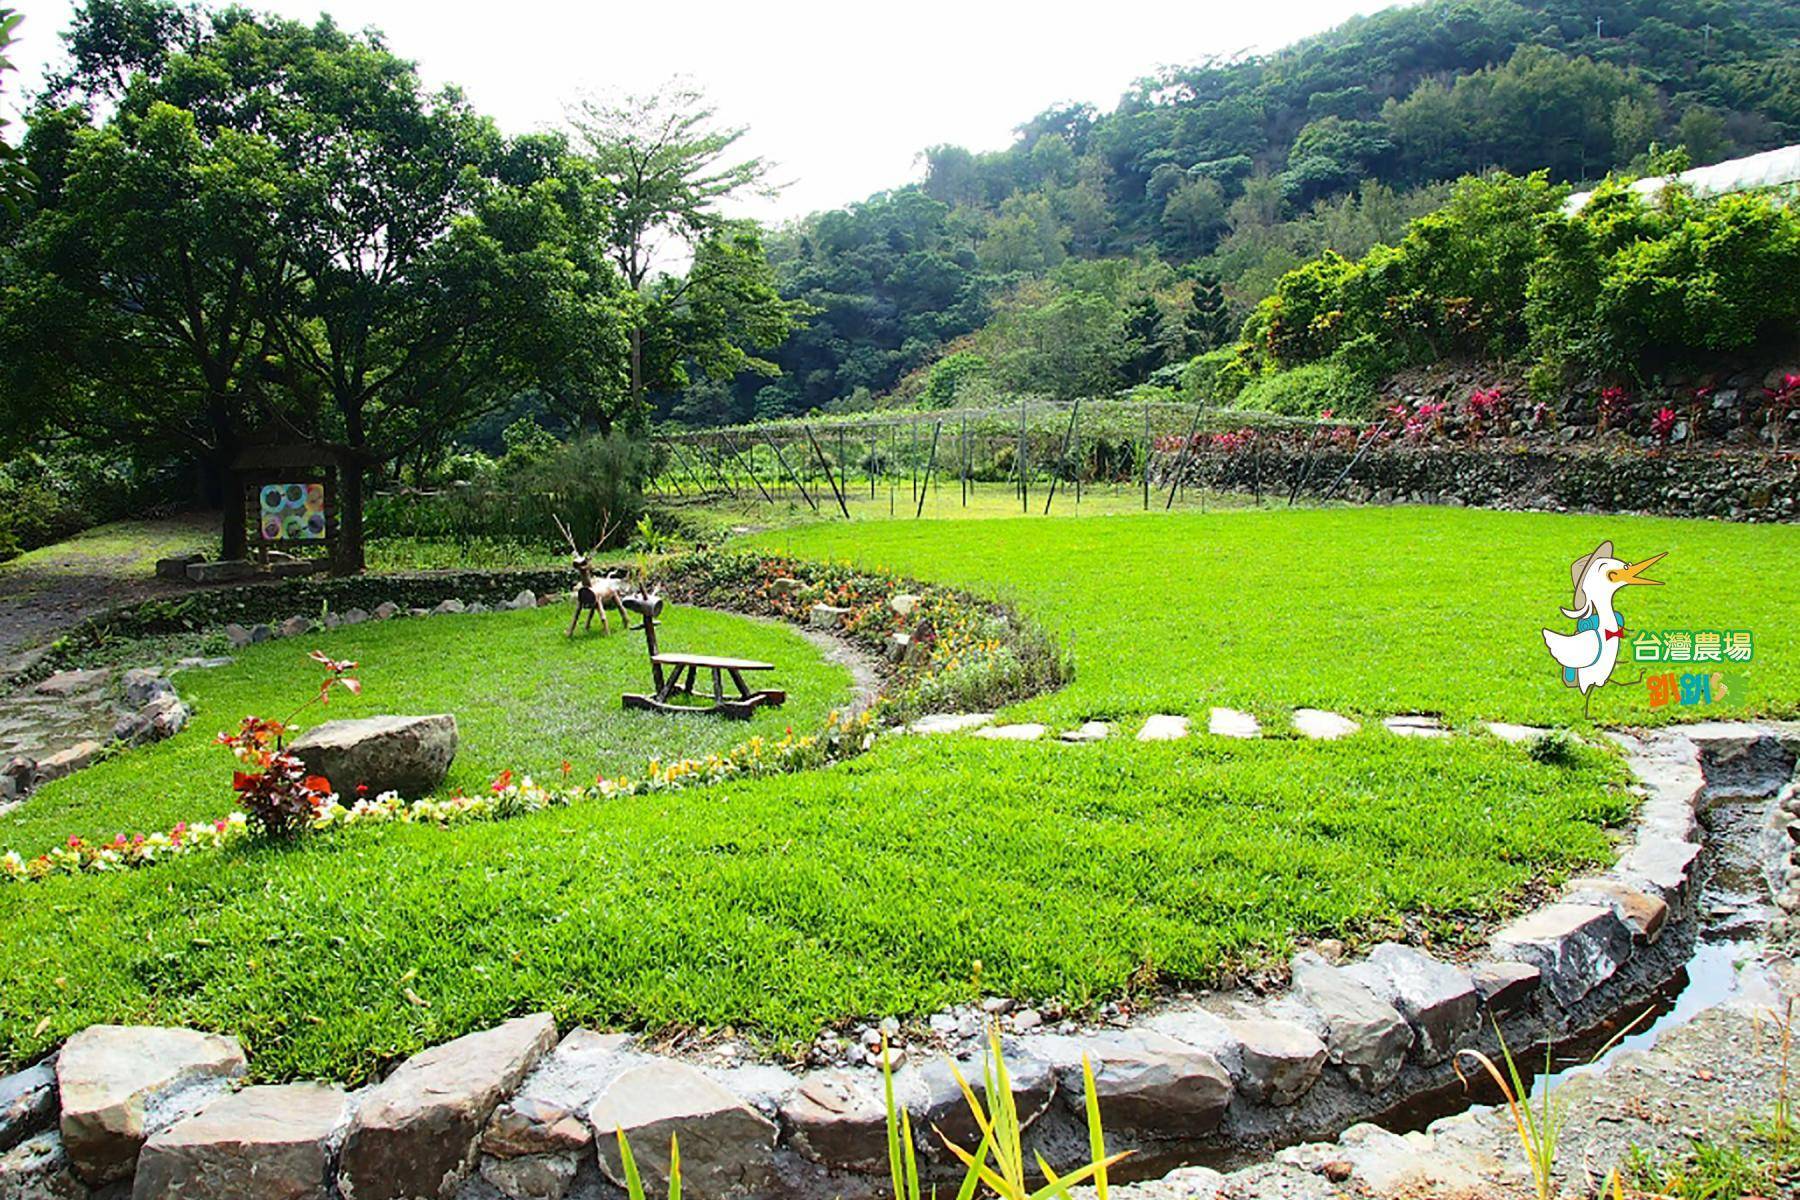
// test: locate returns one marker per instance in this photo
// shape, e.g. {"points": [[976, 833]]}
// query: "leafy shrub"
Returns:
{"points": [[1554, 749], [1218, 375], [590, 482], [1309, 390], [45, 497]]}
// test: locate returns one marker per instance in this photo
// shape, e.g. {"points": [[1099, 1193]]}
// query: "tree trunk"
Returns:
{"points": [[349, 559], [637, 366]]}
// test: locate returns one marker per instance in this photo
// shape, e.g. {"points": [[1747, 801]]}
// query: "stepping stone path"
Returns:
{"points": [[1163, 728], [1089, 731], [1418, 725], [1012, 733], [1229, 722], [1516, 734], [1323, 725]]}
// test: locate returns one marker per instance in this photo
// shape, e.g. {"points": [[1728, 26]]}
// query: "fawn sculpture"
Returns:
{"points": [[594, 594]]}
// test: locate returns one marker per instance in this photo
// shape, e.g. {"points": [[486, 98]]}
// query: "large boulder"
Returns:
{"points": [[273, 1143], [1280, 1060], [727, 1147], [409, 755], [416, 1131], [119, 1082]]}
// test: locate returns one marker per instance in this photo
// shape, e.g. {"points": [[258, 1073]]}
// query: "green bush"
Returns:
{"points": [[590, 483], [47, 497], [1218, 375], [1308, 390]]}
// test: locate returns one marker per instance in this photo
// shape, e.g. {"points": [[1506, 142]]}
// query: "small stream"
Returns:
{"points": [[1732, 908]]}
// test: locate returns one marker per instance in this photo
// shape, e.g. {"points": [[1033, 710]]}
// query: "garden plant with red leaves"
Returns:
{"points": [[277, 793]]}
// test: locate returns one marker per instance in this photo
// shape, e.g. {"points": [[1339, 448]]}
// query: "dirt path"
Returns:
{"points": [[48, 590]]}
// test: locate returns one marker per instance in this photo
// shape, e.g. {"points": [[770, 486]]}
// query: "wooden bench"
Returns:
{"points": [[677, 674]]}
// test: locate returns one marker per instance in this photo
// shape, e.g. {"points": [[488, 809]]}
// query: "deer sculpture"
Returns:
{"points": [[594, 594]]}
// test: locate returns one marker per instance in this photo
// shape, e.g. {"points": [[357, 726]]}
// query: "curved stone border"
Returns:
{"points": [[516, 1112]]}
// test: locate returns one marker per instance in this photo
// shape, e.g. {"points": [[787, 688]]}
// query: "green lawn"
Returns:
{"points": [[1366, 610], [1069, 872], [784, 904], [524, 697]]}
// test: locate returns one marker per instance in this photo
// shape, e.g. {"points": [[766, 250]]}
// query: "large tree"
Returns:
{"points": [[670, 169], [15, 180], [277, 232]]}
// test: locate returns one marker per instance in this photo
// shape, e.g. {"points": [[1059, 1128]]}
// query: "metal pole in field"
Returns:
{"points": [[1063, 460], [893, 450], [1024, 484], [675, 450], [1080, 457], [748, 466], [874, 458], [717, 468], [929, 466], [962, 453], [1147, 445], [912, 463], [843, 460], [782, 459], [1187, 445], [829, 477]]}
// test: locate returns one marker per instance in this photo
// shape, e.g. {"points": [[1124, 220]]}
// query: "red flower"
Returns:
{"points": [[502, 781]]}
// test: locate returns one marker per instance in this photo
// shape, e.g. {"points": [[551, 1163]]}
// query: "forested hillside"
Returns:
{"points": [[1100, 248]]}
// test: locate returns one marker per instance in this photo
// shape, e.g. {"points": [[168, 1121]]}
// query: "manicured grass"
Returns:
{"points": [[783, 904], [525, 697], [1366, 610], [1071, 873]]}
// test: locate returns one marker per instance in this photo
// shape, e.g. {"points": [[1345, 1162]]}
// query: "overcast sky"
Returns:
{"points": [[842, 96]]}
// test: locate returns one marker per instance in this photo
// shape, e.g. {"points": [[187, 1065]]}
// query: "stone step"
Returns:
{"points": [[1229, 722], [1163, 728], [1088, 731], [949, 722], [1012, 733], [1322, 724], [1417, 725]]}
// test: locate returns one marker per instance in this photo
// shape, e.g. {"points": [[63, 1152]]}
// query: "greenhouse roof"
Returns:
{"points": [[1770, 169]]}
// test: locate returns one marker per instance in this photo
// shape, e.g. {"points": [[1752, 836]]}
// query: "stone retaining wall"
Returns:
{"points": [[518, 1111], [1736, 486]]}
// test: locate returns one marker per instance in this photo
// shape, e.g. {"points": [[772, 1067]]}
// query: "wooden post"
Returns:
{"points": [[929, 466], [829, 477], [1080, 457], [782, 459]]}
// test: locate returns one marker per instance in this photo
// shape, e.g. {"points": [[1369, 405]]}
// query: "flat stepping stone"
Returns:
{"points": [[1515, 733], [1088, 731], [1323, 725], [1418, 725], [1163, 728], [949, 722], [1012, 733], [1229, 722]]}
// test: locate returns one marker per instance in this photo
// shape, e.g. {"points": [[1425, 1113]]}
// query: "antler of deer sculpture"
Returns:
{"points": [[594, 593]]}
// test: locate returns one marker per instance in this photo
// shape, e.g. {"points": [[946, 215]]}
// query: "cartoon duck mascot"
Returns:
{"points": [[1589, 654]]}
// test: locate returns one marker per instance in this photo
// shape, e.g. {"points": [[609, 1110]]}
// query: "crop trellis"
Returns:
{"points": [[1038, 448]]}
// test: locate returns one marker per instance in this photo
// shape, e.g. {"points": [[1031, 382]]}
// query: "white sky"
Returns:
{"points": [[843, 96]]}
